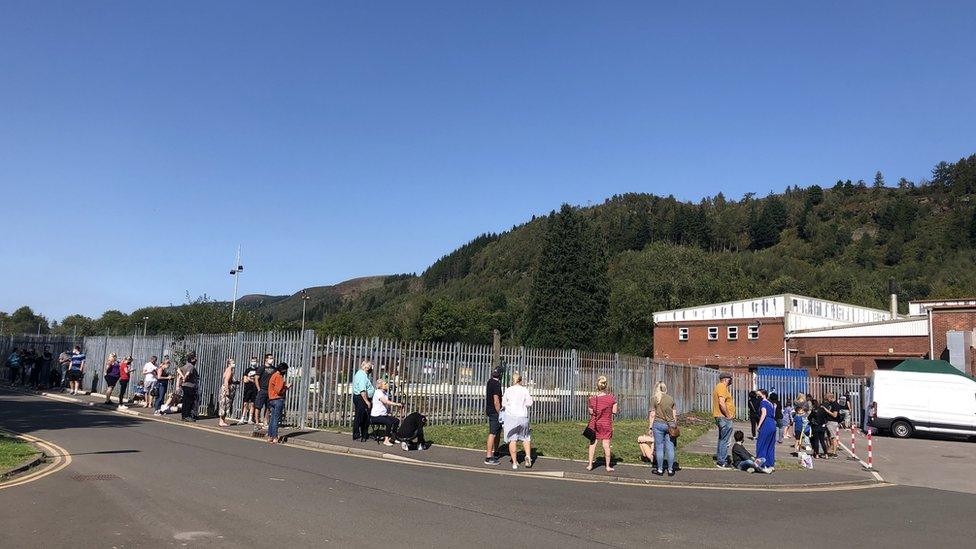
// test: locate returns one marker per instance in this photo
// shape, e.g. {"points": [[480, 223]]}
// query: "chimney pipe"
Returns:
{"points": [[893, 291]]}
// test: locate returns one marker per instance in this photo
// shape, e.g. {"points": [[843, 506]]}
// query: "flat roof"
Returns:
{"points": [[775, 296]]}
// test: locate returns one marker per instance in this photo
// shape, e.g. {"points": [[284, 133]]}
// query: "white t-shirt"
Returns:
{"points": [[516, 401], [149, 372], [378, 409]]}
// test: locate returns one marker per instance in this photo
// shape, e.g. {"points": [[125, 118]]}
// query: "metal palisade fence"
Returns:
{"points": [[444, 381]]}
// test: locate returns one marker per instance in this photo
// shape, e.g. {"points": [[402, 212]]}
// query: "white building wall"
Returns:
{"points": [[761, 307], [898, 328]]}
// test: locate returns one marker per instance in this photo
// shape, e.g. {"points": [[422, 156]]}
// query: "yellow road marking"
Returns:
{"points": [[61, 460]]}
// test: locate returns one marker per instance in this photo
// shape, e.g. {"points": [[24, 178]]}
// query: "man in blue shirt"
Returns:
{"points": [[76, 370], [362, 395]]}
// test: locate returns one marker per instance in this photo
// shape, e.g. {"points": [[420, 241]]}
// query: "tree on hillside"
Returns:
{"points": [[568, 299], [879, 181], [25, 321], [766, 224]]}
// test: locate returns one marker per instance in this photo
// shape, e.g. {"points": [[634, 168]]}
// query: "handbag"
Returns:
{"points": [[674, 431], [154, 391], [588, 433]]}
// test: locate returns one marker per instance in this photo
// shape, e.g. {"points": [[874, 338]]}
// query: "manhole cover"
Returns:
{"points": [[86, 478]]}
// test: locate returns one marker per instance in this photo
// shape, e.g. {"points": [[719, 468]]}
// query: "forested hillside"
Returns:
{"points": [[591, 277]]}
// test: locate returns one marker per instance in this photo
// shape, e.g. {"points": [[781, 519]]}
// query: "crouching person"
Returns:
{"points": [[411, 432], [741, 457]]}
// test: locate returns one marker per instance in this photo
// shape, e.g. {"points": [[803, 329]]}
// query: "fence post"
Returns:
{"points": [[455, 356], [307, 337], [573, 377]]}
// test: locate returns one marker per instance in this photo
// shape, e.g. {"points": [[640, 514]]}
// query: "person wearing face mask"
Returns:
{"points": [[362, 396], [249, 391]]}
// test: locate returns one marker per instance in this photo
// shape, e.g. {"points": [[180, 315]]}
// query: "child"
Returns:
{"points": [[743, 460], [139, 393]]}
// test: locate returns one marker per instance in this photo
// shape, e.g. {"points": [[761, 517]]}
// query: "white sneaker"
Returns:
{"points": [[515, 466], [405, 446], [751, 470], [123, 407], [387, 443]]}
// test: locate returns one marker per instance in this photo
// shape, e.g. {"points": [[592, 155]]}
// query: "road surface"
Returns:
{"points": [[135, 483]]}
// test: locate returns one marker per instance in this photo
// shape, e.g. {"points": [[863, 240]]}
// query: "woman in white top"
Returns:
{"points": [[379, 413], [515, 403]]}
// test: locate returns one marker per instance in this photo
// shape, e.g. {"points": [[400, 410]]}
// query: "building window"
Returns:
{"points": [[753, 332], [713, 333], [733, 333], [682, 334]]}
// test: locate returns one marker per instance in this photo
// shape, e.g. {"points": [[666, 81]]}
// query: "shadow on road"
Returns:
{"points": [[25, 414]]}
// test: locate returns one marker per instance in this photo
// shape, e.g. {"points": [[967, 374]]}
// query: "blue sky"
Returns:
{"points": [[140, 142]]}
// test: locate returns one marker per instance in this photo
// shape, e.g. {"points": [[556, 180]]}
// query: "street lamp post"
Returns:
{"points": [[145, 325], [235, 272], [305, 299]]}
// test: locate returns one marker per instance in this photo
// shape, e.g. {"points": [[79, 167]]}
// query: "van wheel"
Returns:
{"points": [[902, 429]]}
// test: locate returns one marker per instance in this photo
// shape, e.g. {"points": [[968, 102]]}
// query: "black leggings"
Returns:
{"points": [[753, 424], [818, 440], [189, 401], [392, 423], [123, 385]]}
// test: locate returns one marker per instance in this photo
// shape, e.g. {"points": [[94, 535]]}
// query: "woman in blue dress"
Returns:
{"points": [[766, 441]]}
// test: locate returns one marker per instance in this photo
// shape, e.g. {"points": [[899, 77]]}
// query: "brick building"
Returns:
{"points": [[824, 337], [748, 333]]}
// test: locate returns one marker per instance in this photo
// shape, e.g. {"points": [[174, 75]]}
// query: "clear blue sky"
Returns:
{"points": [[140, 142]]}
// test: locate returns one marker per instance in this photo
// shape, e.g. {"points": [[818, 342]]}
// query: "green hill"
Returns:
{"points": [[842, 242]]}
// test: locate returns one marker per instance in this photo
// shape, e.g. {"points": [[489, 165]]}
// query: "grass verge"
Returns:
{"points": [[564, 439], [13, 452]]}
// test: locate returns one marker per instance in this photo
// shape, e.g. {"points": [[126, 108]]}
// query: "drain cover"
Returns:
{"points": [[86, 478]]}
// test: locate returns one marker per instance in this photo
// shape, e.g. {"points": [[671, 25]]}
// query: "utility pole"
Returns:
{"points": [[305, 299], [145, 325], [236, 272], [38, 329]]}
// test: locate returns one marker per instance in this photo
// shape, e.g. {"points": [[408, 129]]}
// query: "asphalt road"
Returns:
{"points": [[171, 485], [926, 459]]}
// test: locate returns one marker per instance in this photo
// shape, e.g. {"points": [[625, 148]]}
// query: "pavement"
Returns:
{"points": [[138, 483], [835, 473]]}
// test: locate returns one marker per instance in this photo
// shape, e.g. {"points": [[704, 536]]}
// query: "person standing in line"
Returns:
{"points": [[125, 370], [163, 377], [277, 388], [379, 412], [187, 378], [602, 407], [249, 389], [30, 368], [493, 406], [64, 361], [261, 399], [766, 441], [76, 370], [753, 402], [46, 360], [13, 365], [111, 375], [362, 395], [516, 403], [663, 418], [723, 410], [149, 379], [832, 409], [818, 429], [779, 417], [226, 392], [801, 410]]}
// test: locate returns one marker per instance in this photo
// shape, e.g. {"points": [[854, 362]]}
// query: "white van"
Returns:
{"points": [[905, 402]]}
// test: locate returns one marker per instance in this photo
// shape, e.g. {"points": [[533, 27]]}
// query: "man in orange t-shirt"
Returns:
{"points": [[277, 388], [723, 410]]}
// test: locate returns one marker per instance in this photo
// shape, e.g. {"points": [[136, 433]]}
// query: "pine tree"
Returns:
{"points": [[879, 181], [570, 291]]}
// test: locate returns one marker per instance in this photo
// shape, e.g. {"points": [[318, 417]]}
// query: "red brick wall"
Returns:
{"points": [[949, 320], [767, 350], [853, 356]]}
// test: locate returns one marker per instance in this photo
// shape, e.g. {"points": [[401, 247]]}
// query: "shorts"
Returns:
{"points": [[517, 428], [249, 395], [75, 375], [833, 428], [261, 400], [494, 426], [111, 380]]}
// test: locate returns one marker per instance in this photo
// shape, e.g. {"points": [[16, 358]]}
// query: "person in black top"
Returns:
{"points": [[493, 405], [261, 400], [753, 403], [778, 416], [818, 427], [188, 377], [412, 430]]}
